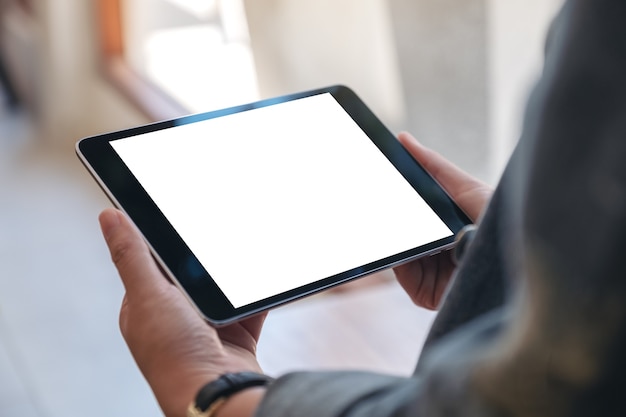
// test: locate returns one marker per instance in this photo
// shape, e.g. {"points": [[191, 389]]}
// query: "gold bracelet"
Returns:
{"points": [[193, 411]]}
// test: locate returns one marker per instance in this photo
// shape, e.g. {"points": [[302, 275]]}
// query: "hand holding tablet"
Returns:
{"points": [[250, 207]]}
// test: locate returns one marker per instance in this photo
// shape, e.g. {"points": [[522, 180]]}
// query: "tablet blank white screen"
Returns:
{"points": [[278, 197]]}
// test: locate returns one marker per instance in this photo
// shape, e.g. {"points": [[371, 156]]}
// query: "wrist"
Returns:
{"points": [[232, 394]]}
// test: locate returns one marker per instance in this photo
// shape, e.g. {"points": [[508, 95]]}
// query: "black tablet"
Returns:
{"points": [[253, 206]]}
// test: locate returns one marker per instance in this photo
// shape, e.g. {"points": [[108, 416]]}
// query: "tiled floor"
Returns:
{"points": [[60, 349]]}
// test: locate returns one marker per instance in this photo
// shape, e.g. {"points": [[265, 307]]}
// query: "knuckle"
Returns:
{"points": [[121, 252]]}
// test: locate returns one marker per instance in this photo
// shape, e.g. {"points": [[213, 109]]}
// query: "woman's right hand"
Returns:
{"points": [[426, 279]]}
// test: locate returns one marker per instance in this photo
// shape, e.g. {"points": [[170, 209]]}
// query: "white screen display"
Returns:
{"points": [[278, 197]]}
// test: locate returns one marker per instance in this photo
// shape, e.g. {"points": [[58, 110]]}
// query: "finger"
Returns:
{"points": [[254, 324], [453, 179], [138, 270], [244, 333], [426, 279]]}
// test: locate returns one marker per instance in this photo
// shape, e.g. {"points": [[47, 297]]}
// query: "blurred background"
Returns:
{"points": [[455, 73]]}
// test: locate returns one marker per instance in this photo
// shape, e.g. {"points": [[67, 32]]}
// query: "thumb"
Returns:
{"points": [[130, 254], [450, 176], [469, 193]]}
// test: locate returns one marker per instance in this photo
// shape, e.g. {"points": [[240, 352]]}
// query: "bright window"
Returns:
{"points": [[188, 55]]}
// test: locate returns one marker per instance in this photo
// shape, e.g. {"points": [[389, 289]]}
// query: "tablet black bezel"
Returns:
{"points": [[177, 259]]}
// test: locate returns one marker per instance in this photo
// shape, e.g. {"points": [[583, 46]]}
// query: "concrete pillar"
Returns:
{"points": [[442, 50], [517, 31]]}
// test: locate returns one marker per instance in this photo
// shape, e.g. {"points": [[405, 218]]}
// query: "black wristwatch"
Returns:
{"points": [[213, 394]]}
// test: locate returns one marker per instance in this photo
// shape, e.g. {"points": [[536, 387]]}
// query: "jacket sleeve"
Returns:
{"points": [[338, 394]]}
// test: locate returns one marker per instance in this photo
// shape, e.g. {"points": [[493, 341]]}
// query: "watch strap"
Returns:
{"points": [[213, 394]]}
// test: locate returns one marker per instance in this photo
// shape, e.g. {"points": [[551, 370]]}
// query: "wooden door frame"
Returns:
{"points": [[152, 101]]}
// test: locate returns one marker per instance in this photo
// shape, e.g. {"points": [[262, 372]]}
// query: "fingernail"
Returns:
{"points": [[109, 220]]}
